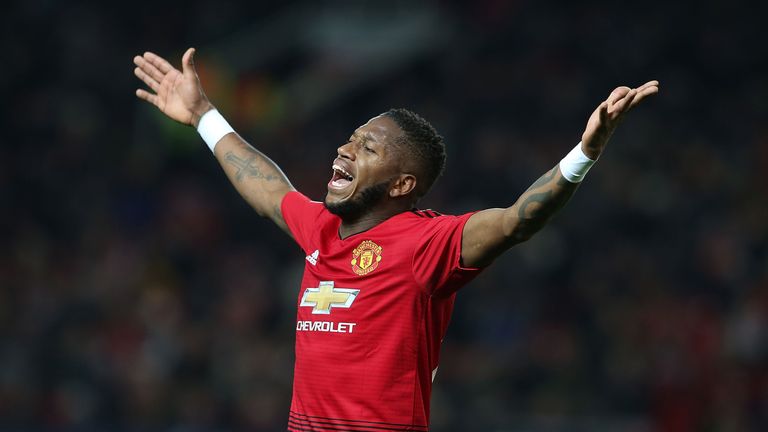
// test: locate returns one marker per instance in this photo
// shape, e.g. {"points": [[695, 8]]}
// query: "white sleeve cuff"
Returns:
{"points": [[575, 165], [212, 127]]}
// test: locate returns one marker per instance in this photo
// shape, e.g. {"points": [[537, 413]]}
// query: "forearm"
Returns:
{"points": [[256, 177], [180, 96], [490, 232], [537, 205]]}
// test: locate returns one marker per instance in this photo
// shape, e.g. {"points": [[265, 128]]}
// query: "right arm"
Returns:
{"points": [[180, 96], [258, 180]]}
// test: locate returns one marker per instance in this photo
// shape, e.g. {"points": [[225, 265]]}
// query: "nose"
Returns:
{"points": [[346, 152]]}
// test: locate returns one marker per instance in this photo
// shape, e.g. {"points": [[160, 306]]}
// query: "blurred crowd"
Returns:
{"points": [[139, 292]]}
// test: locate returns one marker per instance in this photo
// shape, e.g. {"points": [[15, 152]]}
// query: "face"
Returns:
{"points": [[365, 169]]}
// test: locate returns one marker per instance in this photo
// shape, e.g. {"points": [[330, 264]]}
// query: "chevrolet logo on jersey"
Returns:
{"points": [[325, 297]]}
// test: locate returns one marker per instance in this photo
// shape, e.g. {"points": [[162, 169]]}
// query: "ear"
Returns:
{"points": [[402, 185]]}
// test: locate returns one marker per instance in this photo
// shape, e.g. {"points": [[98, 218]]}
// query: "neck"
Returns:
{"points": [[352, 226]]}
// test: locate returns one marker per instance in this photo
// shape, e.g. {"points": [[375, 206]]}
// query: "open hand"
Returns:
{"points": [[609, 114], [177, 94]]}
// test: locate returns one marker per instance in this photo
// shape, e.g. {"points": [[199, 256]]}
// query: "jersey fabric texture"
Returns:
{"points": [[372, 311]]}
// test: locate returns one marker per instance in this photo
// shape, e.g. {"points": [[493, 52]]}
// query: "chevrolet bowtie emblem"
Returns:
{"points": [[325, 297]]}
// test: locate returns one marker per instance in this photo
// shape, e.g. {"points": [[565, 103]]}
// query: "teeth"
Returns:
{"points": [[343, 172]]}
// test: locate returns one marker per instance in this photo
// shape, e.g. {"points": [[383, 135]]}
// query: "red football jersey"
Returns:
{"points": [[372, 312]]}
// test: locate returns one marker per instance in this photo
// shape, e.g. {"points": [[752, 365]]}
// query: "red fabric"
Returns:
{"points": [[369, 365]]}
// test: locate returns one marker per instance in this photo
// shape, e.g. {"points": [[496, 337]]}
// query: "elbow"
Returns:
{"points": [[521, 230], [521, 236], [260, 209], [519, 233]]}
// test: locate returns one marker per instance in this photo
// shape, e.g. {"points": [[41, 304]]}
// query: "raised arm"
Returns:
{"points": [[179, 95], [490, 232]]}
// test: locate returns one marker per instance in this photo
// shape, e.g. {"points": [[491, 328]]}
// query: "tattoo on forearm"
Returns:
{"points": [[546, 178], [555, 191], [248, 168]]}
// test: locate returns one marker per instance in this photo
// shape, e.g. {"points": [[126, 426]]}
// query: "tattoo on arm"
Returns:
{"points": [[546, 196], [496, 230], [247, 168], [258, 180]]}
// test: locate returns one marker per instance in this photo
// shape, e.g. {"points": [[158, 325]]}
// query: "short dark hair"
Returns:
{"points": [[424, 144]]}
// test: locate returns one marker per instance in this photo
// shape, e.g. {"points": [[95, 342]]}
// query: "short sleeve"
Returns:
{"points": [[301, 215], [437, 256]]}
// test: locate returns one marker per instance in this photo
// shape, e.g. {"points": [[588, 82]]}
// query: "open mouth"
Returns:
{"points": [[341, 178]]}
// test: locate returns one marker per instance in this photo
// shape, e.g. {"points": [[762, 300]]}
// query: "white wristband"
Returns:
{"points": [[575, 165], [212, 127]]}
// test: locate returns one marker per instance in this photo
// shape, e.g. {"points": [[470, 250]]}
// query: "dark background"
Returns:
{"points": [[139, 292]]}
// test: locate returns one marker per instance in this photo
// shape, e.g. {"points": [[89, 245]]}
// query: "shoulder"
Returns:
{"points": [[419, 223], [428, 213], [297, 201], [417, 220], [300, 211], [432, 218]]}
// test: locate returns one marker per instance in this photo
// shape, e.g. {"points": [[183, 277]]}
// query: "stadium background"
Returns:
{"points": [[139, 292]]}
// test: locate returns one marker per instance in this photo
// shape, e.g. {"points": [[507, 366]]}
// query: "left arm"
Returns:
{"points": [[490, 232]]}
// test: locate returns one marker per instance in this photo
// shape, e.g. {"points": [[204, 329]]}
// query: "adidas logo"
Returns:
{"points": [[313, 257]]}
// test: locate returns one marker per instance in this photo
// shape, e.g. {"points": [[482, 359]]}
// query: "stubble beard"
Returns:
{"points": [[355, 208]]}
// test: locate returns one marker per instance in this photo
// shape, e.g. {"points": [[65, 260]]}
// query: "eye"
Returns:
{"points": [[368, 149]]}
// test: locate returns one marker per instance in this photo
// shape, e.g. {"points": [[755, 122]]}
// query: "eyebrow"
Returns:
{"points": [[366, 136]]}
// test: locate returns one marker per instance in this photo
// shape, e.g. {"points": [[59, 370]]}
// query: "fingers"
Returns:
{"points": [[148, 80], [649, 84], [188, 62], [603, 111], [617, 94], [624, 103], [623, 99], [147, 96], [643, 95], [148, 68], [160, 63], [616, 102], [645, 90]]}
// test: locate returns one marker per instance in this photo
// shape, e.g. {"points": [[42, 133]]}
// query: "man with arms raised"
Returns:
{"points": [[380, 278]]}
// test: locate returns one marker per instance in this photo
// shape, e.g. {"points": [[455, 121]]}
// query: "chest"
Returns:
{"points": [[361, 257], [364, 273]]}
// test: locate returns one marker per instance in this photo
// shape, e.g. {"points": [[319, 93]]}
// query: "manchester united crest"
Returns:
{"points": [[366, 257]]}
